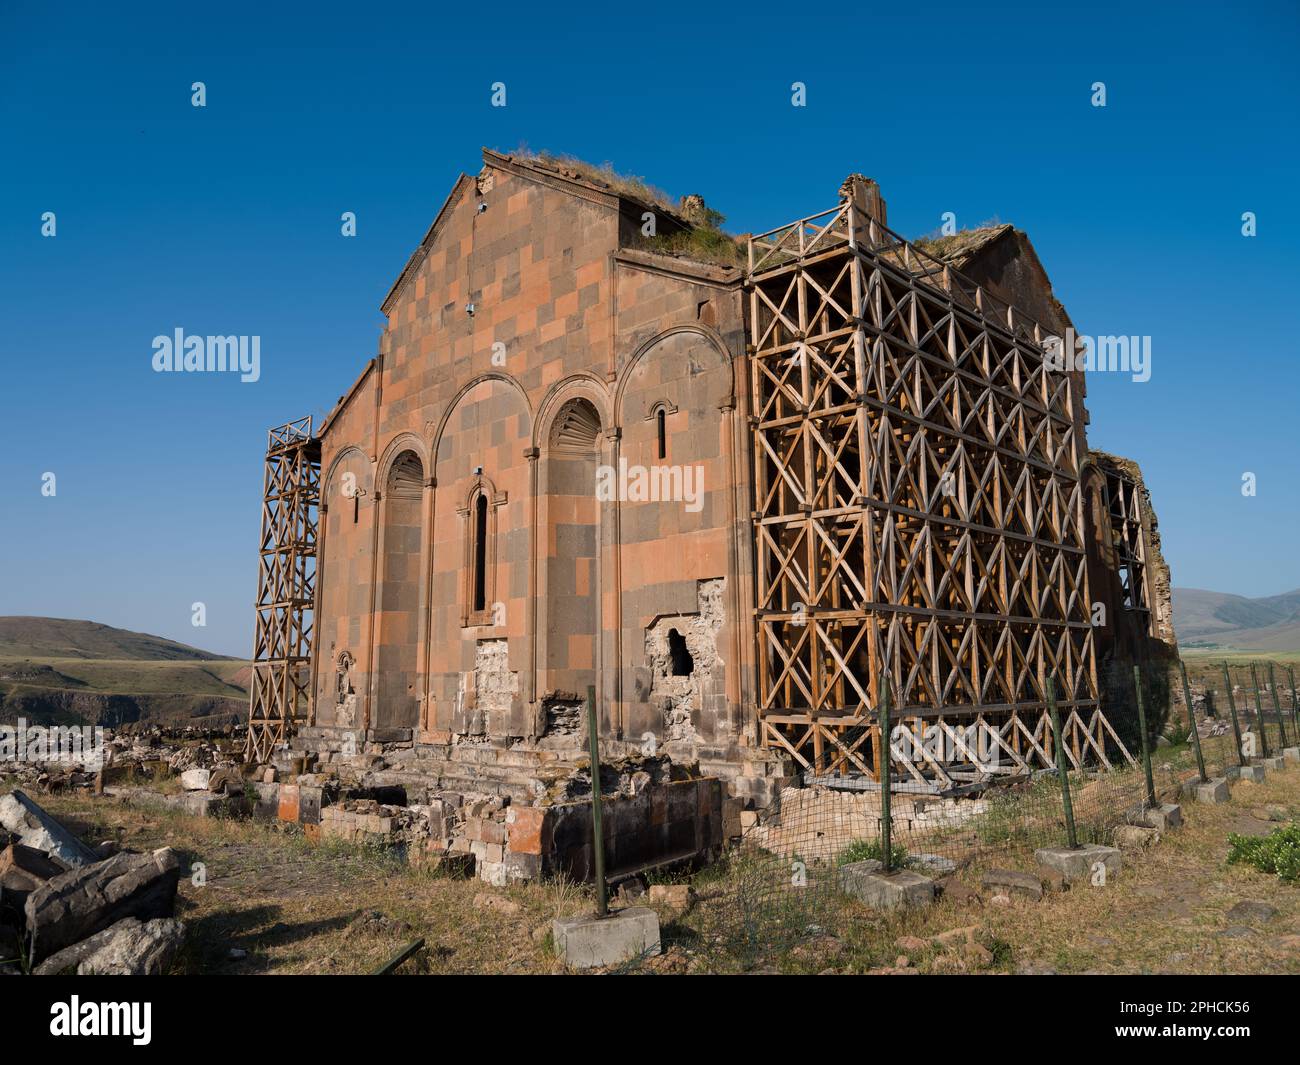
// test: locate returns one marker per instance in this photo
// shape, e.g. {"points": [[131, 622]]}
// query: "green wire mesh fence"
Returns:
{"points": [[789, 877]]}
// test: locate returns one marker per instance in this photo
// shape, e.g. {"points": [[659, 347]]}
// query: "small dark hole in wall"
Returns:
{"points": [[683, 663]]}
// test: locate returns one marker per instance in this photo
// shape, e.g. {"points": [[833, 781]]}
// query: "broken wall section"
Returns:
{"points": [[686, 672]]}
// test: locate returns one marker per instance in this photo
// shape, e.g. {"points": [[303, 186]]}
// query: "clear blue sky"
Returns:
{"points": [[225, 220]]}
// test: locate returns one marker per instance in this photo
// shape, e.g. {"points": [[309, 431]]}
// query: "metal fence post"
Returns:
{"points": [[886, 824], [1277, 708], [1295, 707], [1259, 713], [1232, 709], [1062, 770], [1191, 720], [1146, 742], [597, 825]]}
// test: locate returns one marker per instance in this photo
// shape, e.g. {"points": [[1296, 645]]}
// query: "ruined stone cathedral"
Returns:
{"points": [[605, 446]]}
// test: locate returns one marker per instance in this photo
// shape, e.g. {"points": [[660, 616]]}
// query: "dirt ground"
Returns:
{"points": [[261, 898]]}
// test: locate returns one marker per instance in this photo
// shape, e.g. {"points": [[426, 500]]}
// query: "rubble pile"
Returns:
{"points": [[131, 752], [65, 907]]}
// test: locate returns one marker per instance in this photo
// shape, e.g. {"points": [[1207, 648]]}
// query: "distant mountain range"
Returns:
{"points": [[1219, 619], [62, 671]]}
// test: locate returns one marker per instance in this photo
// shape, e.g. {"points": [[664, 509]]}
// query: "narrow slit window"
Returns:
{"points": [[480, 552], [661, 423], [356, 507]]}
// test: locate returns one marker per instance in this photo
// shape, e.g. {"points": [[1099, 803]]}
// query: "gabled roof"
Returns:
{"points": [[983, 254], [569, 176], [582, 179], [961, 247], [418, 255]]}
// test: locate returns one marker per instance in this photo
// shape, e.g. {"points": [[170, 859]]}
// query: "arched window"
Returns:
{"points": [[480, 553], [478, 591], [661, 418]]}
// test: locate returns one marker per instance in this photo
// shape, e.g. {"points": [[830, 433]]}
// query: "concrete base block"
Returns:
{"points": [[1273, 762], [590, 942], [1253, 773], [886, 891], [1214, 791], [1291, 754], [1163, 817], [1078, 864]]}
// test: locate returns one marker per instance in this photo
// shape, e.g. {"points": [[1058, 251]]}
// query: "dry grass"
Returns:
{"points": [[299, 907]]}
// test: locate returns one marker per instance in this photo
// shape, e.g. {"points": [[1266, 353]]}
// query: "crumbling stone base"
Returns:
{"points": [[1255, 774], [1273, 762], [1291, 754], [1165, 816], [885, 891], [595, 942], [1078, 864], [1214, 791]]}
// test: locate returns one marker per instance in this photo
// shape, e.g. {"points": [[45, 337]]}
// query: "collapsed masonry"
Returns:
{"points": [[729, 487]]}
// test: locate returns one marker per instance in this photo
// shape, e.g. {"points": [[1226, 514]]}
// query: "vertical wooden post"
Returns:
{"points": [[886, 824]]}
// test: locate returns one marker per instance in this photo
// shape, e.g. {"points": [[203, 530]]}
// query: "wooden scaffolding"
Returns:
{"points": [[286, 589], [919, 517]]}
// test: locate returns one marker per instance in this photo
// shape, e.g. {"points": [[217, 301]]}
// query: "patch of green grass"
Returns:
{"points": [[1277, 853], [863, 850], [704, 243]]}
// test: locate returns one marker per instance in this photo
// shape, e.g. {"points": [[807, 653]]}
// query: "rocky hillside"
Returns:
{"points": [[57, 670]]}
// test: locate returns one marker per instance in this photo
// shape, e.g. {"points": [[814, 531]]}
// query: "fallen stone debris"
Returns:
{"points": [[64, 908]]}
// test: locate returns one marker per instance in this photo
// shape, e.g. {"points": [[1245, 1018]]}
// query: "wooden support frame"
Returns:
{"points": [[280, 691], [919, 513]]}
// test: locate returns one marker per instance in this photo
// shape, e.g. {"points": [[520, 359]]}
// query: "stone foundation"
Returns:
{"points": [[501, 813]]}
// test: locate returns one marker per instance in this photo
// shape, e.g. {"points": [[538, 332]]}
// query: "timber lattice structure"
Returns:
{"points": [[919, 518], [286, 588]]}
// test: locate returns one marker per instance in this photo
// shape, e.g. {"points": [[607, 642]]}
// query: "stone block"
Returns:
{"points": [[594, 942], [526, 829], [496, 873], [934, 864], [1164, 817], [1253, 774], [1273, 762], [1291, 754], [1136, 837], [76, 904], [1009, 881], [1214, 791], [522, 866], [885, 891], [289, 799], [128, 948], [195, 779], [1078, 864], [487, 852]]}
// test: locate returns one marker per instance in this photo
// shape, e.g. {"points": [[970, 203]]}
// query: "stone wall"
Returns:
{"points": [[526, 350]]}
